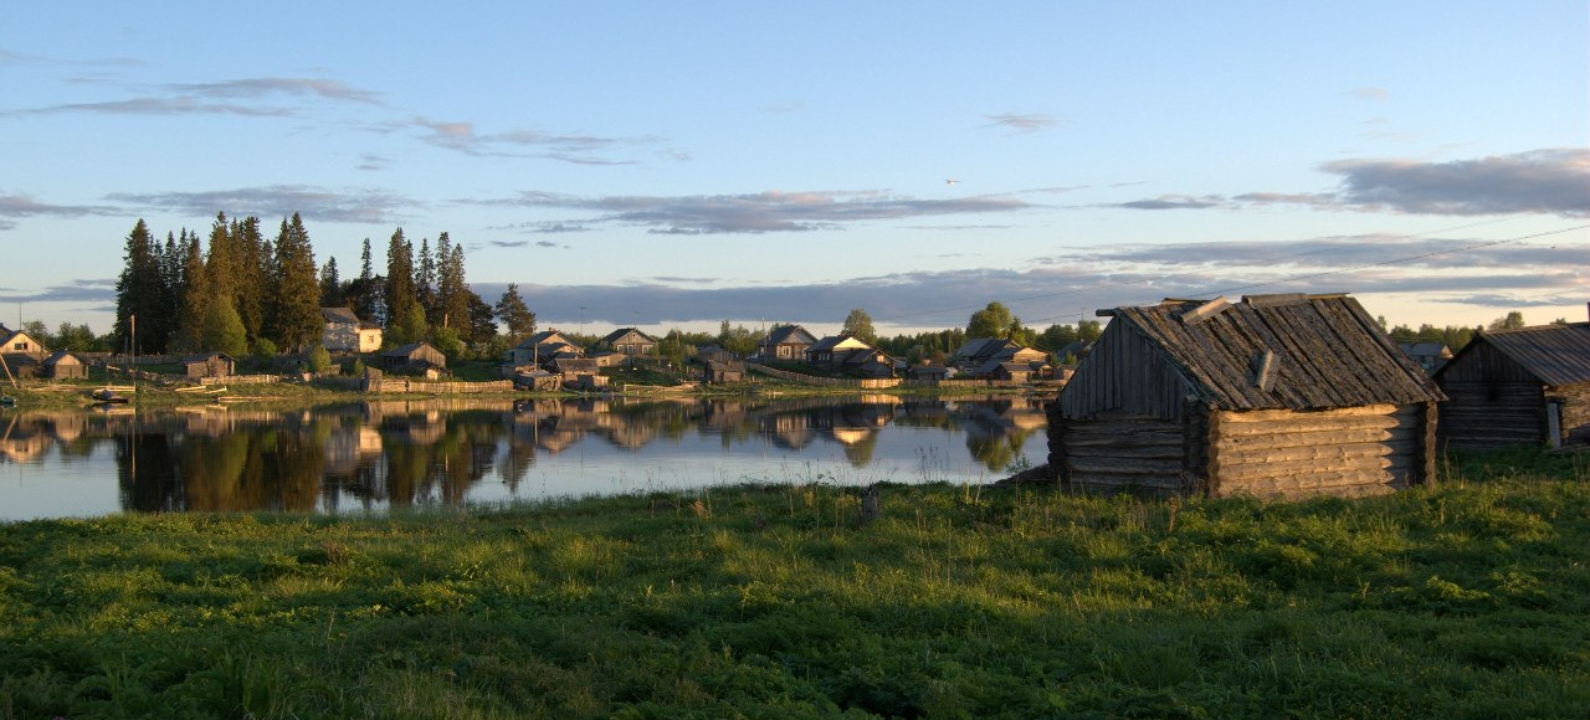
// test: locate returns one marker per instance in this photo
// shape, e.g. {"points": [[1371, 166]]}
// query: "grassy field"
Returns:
{"points": [[1469, 600]]}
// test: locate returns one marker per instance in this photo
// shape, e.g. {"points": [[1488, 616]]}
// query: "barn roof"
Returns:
{"points": [[1294, 352], [1556, 354], [788, 334], [619, 334]]}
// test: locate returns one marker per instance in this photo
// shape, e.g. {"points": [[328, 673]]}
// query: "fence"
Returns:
{"points": [[868, 384], [241, 380], [423, 387]]}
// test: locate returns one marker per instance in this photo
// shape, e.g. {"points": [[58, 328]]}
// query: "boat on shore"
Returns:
{"points": [[108, 395]]}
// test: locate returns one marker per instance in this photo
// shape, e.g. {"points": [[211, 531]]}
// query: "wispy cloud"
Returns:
{"points": [[1022, 122], [349, 205], [1369, 92], [1540, 181], [15, 206], [82, 290], [372, 162], [771, 211], [214, 98], [508, 243], [462, 136], [1175, 202]]}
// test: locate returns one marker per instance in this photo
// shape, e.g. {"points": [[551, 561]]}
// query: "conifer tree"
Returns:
{"points": [[515, 316], [138, 291], [331, 294], [425, 282], [195, 300], [252, 267], [405, 318], [295, 292]]}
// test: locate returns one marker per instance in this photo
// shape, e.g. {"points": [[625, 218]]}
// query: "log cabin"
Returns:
{"points": [[1518, 387], [1273, 396]]}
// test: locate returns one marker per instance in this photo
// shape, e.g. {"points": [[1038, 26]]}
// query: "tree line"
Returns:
{"points": [[237, 291]]}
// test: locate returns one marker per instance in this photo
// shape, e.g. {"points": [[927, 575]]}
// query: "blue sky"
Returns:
{"points": [[676, 164]]}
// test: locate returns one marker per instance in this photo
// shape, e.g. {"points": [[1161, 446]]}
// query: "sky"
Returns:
{"points": [[677, 164]]}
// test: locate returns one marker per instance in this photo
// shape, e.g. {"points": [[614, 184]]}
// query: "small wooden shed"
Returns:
{"points": [[1518, 387], [209, 365], [1274, 396], [414, 357], [63, 365], [724, 372]]}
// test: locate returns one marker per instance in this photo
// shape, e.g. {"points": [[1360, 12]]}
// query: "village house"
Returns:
{"points": [[1518, 387], [628, 341], [208, 365], [542, 348], [22, 366], [1274, 396], [419, 358], [850, 355], [18, 342], [346, 333], [987, 358], [719, 372], [63, 365], [928, 373], [1430, 355], [787, 343]]}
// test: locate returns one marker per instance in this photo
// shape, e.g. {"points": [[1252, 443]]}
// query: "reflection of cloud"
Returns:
{"points": [[352, 206], [1023, 122], [771, 211]]}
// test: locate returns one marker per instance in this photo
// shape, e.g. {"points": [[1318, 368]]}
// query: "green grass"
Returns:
{"points": [[1469, 600]]}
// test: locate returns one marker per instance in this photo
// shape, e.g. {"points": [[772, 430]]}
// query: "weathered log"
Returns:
{"points": [[1309, 425], [1270, 416], [1124, 465], [1307, 439], [1306, 454], [1286, 471]]}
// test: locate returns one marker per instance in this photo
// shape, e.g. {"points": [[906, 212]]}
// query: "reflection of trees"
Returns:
{"points": [[147, 469], [996, 450]]}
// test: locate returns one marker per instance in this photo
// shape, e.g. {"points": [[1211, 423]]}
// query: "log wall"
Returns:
{"points": [[1575, 401], [1123, 453], [1488, 415], [1367, 450]]}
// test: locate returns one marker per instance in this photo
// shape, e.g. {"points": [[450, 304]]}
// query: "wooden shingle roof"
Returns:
{"points": [[1294, 352], [1555, 354]]}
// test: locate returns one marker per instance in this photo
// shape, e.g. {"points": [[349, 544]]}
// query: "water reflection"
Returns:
{"points": [[371, 456]]}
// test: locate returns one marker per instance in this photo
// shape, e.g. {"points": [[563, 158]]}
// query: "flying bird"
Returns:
{"points": [[952, 182]]}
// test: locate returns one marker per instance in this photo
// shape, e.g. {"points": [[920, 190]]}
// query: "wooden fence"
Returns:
{"points": [[241, 380], [868, 384], [424, 387]]}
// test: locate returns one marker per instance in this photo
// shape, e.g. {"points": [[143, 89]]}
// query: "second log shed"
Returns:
{"points": [[1272, 396]]}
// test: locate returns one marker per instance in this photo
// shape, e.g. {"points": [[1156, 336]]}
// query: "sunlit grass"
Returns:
{"points": [[1464, 600]]}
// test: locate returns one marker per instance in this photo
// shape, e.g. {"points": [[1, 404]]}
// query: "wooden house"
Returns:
{"points": [[927, 372], [1274, 396], [419, 358], [718, 372], [570, 367], [15, 342], [208, 365], [1430, 355], [710, 352], [628, 341], [982, 356], [22, 366], [1010, 372], [850, 355], [787, 343], [542, 348], [63, 365], [1518, 387], [346, 333]]}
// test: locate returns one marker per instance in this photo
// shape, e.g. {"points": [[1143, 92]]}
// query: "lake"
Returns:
{"points": [[370, 457]]}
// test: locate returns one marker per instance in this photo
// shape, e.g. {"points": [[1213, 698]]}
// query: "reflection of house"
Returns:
{"points": [[1278, 395], [63, 365], [1518, 387], [542, 348], [628, 341], [209, 365], [345, 332], [1430, 355], [785, 342], [850, 355]]}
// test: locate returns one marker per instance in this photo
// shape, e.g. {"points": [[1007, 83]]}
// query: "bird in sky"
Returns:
{"points": [[952, 182]]}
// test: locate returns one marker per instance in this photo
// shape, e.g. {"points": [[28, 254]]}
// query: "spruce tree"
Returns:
{"points": [[405, 317], [331, 294], [195, 300], [138, 288], [252, 268], [295, 292]]}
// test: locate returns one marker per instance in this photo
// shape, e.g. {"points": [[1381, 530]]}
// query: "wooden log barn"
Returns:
{"points": [[1518, 387], [1273, 396]]}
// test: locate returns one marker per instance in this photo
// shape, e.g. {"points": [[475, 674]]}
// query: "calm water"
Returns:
{"points": [[364, 457]]}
